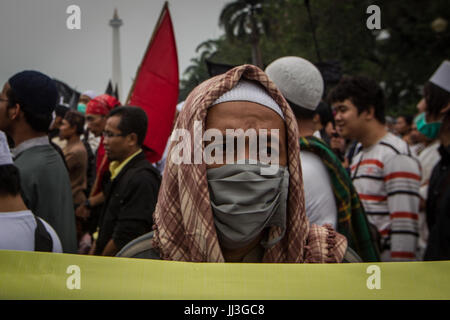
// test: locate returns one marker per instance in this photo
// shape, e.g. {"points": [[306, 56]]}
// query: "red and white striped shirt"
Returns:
{"points": [[387, 179]]}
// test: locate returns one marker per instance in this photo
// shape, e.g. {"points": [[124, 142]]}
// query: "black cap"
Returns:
{"points": [[36, 91]]}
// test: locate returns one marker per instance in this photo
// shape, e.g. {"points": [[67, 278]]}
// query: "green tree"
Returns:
{"points": [[218, 50], [243, 20], [402, 61]]}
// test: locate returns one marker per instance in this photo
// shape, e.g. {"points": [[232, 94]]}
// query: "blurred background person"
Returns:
{"points": [[436, 123], [390, 124], [60, 112], [324, 122], [90, 140], [96, 114], [87, 96], [77, 161], [418, 141], [426, 152], [402, 127]]}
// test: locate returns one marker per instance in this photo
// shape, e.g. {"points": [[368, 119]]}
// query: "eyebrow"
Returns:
{"points": [[338, 106]]}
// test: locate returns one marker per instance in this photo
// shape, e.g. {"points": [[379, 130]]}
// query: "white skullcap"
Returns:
{"points": [[298, 80], [180, 106], [5, 154], [90, 93], [441, 76], [249, 91]]}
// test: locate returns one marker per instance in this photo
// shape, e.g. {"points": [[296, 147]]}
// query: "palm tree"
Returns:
{"points": [[244, 20], [197, 71]]}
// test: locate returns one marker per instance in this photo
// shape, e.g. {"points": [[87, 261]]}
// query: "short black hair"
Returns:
{"points": [[38, 122], [363, 92], [9, 180], [408, 118], [436, 98], [132, 120], [301, 112], [75, 119], [325, 113], [61, 110]]}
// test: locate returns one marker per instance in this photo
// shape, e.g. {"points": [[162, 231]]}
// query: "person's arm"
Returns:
{"points": [[96, 200], [110, 249], [402, 179], [83, 211]]}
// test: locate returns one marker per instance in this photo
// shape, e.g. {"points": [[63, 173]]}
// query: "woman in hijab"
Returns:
{"points": [[235, 212]]}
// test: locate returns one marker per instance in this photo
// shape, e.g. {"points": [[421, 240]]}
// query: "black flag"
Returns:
{"points": [[116, 92], [67, 95], [215, 69], [109, 89]]}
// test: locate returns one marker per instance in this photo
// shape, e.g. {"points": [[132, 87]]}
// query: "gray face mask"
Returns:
{"points": [[244, 202]]}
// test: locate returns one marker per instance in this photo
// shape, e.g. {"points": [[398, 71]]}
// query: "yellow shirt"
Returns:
{"points": [[115, 167]]}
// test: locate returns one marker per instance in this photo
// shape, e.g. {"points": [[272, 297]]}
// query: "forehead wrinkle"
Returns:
{"points": [[223, 126], [231, 121], [242, 115]]}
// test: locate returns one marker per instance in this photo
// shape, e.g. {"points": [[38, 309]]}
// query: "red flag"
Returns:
{"points": [[155, 87]]}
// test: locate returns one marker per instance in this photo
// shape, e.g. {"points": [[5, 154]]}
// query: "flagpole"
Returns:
{"points": [[166, 5]]}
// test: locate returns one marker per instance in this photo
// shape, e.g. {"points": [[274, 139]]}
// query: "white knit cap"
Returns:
{"points": [[441, 76], [249, 91], [298, 80], [5, 154]]}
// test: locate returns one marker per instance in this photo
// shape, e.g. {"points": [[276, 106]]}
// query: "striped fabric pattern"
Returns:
{"points": [[387, 179], [352, 220]]}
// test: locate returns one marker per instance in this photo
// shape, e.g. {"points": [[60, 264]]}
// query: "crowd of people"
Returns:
{"points": [[350, 184]]}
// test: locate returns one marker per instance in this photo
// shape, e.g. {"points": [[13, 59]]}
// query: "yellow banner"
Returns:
{"points": [[35, 275]]}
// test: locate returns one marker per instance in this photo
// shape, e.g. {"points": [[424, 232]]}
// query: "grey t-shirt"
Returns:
{"points": [[46, 191], [17, 231]]}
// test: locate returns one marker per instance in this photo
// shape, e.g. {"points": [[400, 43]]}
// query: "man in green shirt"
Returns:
{"points": [[26, 104]]}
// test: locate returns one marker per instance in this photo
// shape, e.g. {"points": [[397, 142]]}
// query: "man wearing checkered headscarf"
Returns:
{"points": [[185, 225]]}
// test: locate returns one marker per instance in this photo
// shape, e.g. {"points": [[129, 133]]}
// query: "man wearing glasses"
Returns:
{"points": [[132, 190]]}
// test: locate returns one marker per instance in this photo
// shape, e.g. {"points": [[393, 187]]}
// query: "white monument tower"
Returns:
{"points": [[115, 23]]}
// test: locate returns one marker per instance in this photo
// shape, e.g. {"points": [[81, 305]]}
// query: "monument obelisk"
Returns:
{"points": [[115, 23]]}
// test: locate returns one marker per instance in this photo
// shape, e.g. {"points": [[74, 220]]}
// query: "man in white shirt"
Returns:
{"points": [[302, 85], [19, 228]]}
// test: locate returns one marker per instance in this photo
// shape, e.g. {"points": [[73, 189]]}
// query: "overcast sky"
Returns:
{"points": [[33, 35]]}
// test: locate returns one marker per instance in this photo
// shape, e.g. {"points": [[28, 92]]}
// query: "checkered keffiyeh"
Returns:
{"points": [[184, 225]]}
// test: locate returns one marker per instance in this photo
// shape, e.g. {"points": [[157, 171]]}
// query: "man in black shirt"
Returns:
{"points": [[132, 191]]}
